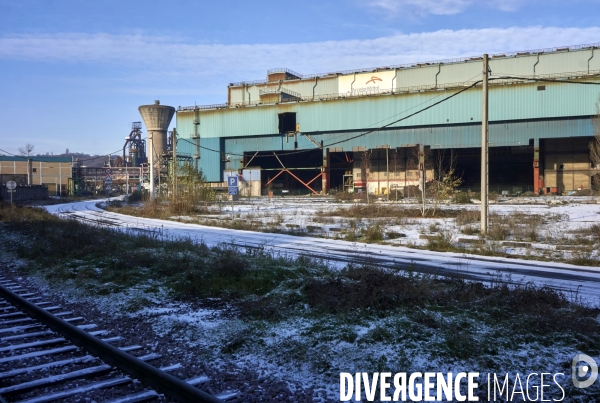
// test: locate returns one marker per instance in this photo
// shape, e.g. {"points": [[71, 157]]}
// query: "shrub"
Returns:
{"points": [[441, 241], [467, 217], [373, 233], [461, 198]]}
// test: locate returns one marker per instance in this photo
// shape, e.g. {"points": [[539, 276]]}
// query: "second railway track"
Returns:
{"points": [[50, 354]]}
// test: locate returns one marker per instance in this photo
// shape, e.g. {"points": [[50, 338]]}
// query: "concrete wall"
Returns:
{"points": [[567, 164]]}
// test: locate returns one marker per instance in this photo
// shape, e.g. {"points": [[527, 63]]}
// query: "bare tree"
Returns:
{"points": [[445, 179], [27, 150]]}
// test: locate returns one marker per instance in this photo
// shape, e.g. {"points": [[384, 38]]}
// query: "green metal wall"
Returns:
{"points": [[516, 133], [507, 102]]}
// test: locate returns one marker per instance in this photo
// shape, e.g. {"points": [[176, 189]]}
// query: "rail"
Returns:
{"points": [[168, 384]]}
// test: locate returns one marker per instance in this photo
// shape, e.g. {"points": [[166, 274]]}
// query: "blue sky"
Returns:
{"points": [[73, 72]]}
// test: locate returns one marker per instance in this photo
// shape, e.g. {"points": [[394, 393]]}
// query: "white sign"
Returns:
{"points": [[366, 83], [11, 185]]}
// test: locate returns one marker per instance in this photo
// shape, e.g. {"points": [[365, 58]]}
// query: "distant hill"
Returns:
{"points": [[86, 159]]}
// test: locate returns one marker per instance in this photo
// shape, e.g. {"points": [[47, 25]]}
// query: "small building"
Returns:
{"points": [[53, 172]]}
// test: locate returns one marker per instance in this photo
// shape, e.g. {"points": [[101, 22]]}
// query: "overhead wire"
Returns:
{"points": [[411, 115], [361, 134]]}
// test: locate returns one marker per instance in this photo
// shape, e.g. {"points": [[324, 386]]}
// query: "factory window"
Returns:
{"points": [[287, 122], [34, 169], [541, 88]]}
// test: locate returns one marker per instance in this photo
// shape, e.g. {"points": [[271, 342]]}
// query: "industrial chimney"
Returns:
{"points": [[157, 118]]}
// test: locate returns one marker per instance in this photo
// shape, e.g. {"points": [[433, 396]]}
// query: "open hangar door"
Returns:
{"points": [[288, 172]]}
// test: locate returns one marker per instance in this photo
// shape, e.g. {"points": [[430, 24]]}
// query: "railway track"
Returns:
{"points": [[49, 354]]}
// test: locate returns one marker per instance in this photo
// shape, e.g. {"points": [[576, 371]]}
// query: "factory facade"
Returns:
{"points": [[386, 128], [52, 172]]}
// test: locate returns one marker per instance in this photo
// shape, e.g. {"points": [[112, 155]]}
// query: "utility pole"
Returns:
{"points": [[196, 136], [484, 148]]}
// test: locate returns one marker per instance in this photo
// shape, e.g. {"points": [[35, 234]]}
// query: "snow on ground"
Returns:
{"points": [[309, 352], [577, 214]]}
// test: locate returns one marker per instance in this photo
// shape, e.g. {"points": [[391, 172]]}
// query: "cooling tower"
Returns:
{"points": [[157, 118]]}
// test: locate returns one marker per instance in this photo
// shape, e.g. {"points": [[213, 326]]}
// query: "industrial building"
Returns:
{"points": [[309, 132], [51, 172]]}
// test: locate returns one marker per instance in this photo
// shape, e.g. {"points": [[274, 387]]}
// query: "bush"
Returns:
{"points": [[342, 196], [440, 242], [468, 217], [135, 196], [461, 198], [373, 233]]}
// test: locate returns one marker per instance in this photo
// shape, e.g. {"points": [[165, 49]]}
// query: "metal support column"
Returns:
{"points": [[422, 179], [325, 172]]}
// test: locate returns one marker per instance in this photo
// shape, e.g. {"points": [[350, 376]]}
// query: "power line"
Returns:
{"points": [[359, 135], [551, 80], [409, 116]]}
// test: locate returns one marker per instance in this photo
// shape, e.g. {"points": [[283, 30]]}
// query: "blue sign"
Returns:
{"points": [[233, 191], [232, 181]]}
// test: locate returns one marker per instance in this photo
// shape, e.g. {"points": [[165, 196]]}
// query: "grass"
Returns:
{"points": [[367, 223], [104, 261], [163, 209], [377, 319], [373, 233], [360, 211], [442, 241]]}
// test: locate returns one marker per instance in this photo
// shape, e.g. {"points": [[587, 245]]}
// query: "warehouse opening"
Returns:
{"points": [[287, 122]]}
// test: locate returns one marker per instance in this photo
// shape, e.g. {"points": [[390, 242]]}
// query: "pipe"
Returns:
{"points": [[590, 59], [536, 63], [29, 172], [315, 86], [352, 84], [393, 79], [436, 76], [248, 94]]}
